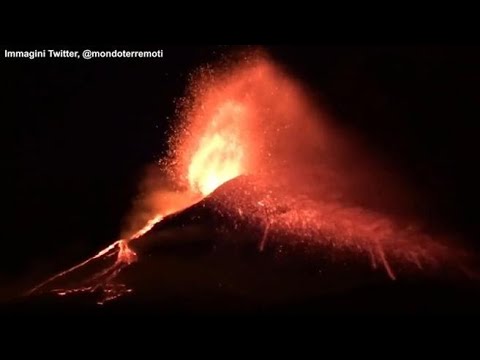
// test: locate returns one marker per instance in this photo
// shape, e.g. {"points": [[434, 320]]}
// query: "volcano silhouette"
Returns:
{"points": [[209, 259]]}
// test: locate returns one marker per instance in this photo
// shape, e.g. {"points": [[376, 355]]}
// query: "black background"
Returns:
{"points": [[80, 134]]}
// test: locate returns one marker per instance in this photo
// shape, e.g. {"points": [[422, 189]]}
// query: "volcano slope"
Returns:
{"points": [[279, 254]]}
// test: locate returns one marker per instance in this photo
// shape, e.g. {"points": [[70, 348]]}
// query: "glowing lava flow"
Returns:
{"points": [[151, 223], [102, 281]]}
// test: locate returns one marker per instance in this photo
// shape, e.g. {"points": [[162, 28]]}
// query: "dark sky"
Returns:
{"points": [[81, 134]]}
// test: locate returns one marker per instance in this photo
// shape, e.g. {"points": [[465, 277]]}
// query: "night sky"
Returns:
{"points": [[82, 133]]}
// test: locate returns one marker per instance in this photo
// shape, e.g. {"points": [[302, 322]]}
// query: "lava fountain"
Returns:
{"points": [[309, 183]]}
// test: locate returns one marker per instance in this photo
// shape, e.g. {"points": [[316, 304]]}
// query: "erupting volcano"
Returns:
{"points": [[252, 154]]}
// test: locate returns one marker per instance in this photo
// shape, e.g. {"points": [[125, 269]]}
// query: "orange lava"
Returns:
{"points": [[220, 150], [251, 118], [148, 226]]}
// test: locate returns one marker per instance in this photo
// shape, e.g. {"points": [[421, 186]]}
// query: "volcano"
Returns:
{"points": [[208, 260], [243, 217]]}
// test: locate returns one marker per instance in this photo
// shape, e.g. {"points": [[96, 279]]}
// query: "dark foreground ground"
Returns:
{"points": [[392, 299], [201, 280]]}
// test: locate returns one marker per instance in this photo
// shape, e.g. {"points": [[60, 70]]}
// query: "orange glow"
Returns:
{"points": [[220, 152], [125, 254]]}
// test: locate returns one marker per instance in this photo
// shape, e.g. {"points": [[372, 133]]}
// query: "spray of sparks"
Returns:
{"points": [[255, 120], [219, 156]]}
